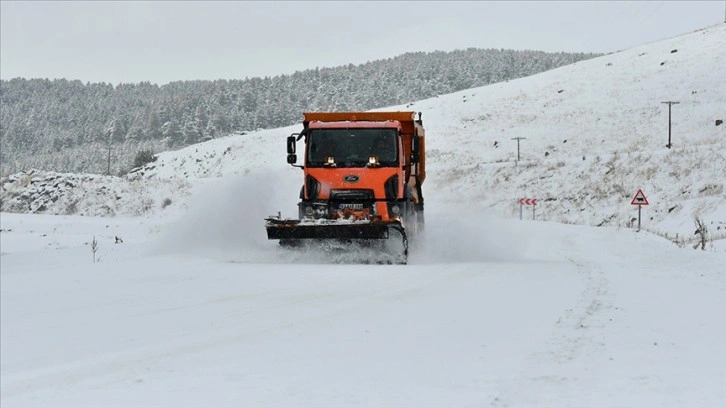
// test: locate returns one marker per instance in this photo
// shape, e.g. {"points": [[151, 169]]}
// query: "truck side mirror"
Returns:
{"points": [[414, 149], [291, 156], [291, 145]]}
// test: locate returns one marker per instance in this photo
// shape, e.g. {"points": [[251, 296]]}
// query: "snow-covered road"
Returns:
{"points": [[537, 314]]}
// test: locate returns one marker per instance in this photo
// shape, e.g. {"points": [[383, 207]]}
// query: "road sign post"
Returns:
{"points": [[639, 207], [527, 201], [640, 200]]}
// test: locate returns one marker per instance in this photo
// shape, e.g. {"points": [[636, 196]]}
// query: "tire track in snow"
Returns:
{"points": [[574, 339]]}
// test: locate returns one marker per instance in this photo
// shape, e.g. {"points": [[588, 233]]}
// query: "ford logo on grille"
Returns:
{"points": [[351, 178]]}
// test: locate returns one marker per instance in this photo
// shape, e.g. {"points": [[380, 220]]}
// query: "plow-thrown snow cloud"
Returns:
{"points": [[225, 221]]}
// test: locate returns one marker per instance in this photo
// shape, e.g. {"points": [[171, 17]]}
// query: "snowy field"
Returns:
{"points": [[186, 304], [520, 313]]}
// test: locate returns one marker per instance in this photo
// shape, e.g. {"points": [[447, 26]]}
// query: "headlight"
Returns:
{"points": [[308, 210], [395, 209]]}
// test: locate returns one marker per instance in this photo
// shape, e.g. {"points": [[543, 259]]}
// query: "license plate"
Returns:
{"points": [[350, 206]]}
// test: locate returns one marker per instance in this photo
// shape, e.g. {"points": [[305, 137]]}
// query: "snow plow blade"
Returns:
{"points": [[292, 229], [386, 240]]}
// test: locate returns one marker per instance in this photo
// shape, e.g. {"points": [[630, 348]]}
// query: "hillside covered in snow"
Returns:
{"points": [[592, 134], [160, 288]]}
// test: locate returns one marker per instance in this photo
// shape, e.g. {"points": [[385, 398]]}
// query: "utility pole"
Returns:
{"points": [[109, 161], [669, 103], [518, 139]]}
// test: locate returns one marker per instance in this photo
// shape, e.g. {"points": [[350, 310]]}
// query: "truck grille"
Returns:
{"points": [[357, 201]]}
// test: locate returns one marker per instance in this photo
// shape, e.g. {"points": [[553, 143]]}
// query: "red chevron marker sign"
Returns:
{"points": [[527, 201]]}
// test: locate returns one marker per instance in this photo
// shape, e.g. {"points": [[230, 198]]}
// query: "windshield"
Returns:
{"points": [[352, 147]]}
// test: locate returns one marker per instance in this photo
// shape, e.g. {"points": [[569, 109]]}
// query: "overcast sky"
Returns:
{"points": [[164, 41]]}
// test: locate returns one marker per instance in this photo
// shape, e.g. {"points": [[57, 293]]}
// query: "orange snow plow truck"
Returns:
{"points": [[363, 173]]}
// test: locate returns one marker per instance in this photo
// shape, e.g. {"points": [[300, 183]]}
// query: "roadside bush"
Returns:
{"points": [[144, 157], [701, 233]]}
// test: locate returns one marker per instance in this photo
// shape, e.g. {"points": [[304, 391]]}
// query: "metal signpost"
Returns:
{"points": [[640, 201], [527, 201]]}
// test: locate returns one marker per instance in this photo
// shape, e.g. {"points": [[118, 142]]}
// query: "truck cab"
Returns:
{"points": [[360, 166]]}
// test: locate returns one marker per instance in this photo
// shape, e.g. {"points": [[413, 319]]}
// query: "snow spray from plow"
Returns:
{"points": [[222, 223]]}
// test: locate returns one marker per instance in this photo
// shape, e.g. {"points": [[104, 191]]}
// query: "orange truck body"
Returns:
{"points": [[412, 170], [410, 128], [363, 173]]}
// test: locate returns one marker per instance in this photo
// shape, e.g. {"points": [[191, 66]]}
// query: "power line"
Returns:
{"points": [[669, 103], [634, 14], [518, 138]]}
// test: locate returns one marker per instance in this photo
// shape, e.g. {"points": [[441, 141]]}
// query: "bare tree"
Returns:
{"points": [[701, 232], [94, 248]]}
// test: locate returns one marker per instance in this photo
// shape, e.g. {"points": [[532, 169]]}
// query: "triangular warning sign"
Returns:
{"points": [[639, 198]]}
